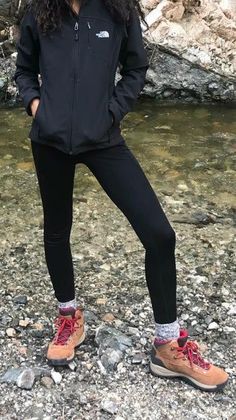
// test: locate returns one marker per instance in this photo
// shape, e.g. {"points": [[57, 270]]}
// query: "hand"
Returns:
{"points": [[112, 118], [34, 106]]}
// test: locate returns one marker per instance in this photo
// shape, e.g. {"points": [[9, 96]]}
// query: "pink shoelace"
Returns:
{"points": [[191, 350], [65, 327]]}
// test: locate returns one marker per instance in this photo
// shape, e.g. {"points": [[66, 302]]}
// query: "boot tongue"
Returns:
{"points": [[183, 336], [67, 312]]}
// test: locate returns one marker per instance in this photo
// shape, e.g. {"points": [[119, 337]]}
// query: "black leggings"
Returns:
{"points": [[122, 178]]}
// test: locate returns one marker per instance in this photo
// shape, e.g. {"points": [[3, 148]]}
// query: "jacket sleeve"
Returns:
{"points": [[27, 67], [134, 65]]}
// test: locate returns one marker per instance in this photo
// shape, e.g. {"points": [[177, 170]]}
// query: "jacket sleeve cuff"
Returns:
{"points": [[27, 101]]}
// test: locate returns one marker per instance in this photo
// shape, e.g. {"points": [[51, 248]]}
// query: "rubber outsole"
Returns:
{"points": [[64, 362], [216, 388]]}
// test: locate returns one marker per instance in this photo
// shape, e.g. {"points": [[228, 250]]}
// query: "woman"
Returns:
{"points": [[76, 113]]}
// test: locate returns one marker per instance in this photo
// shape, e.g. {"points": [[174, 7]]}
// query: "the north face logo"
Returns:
{"points": [[102, 34]]}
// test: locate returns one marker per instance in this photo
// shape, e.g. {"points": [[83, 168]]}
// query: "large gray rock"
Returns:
{"points": [[192, 56], [112, 345], [172, 78]]}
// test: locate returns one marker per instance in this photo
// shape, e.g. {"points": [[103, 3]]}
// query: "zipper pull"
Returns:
{"points": [[76, 27], [89, 27]]}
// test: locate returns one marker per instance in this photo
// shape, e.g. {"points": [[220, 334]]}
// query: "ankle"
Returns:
{"points": [[67, 305], [166, 332]]}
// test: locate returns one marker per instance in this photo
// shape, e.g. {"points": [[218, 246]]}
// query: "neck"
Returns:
{"points": [[75, 6]]}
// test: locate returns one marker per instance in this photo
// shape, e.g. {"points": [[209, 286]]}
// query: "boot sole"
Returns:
{"points": [[166, 373], [66, 361]]}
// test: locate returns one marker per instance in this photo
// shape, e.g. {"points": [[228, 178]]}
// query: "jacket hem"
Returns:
{"points": [[115, 138]]}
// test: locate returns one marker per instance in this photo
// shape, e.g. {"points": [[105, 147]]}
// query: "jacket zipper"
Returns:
{"points": [[89, 27], [76, 37]]}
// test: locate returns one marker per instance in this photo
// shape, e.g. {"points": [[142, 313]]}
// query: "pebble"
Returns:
{"points": [[11, 332], [101, 301], [108, 317], [26, 379], [232, 311], [105, 267], [133, 331], [213, 326], [82, 399], [24, 322], [72, 365], [229, 329], [101, 367], [110, 358], [21, 299], [138, 358], [56, 376], [109, 406], [47, 382]]}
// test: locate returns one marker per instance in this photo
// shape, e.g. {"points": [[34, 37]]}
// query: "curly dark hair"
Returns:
{"points": [[49, 13]]}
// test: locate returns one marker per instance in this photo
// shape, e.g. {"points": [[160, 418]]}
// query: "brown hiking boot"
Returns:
{"points": [[70, 334], [182, 358]]}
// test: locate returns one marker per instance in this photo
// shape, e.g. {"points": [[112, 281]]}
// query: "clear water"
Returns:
{"points": [[191, 147]]}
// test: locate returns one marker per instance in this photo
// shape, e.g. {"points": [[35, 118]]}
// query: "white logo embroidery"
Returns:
{"points": [[102, 34]]}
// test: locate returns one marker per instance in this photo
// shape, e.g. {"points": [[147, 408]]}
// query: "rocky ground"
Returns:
{"points": [[110, 377]]}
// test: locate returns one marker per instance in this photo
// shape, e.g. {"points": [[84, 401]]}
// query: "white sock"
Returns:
{"points": [[167, 331], [68, 304]]}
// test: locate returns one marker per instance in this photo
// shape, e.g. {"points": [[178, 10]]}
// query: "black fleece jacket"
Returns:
{"points": [[80, 105]]}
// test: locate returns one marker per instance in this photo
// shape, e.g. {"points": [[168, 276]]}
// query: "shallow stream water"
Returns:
{"points": [[187, 147]]}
